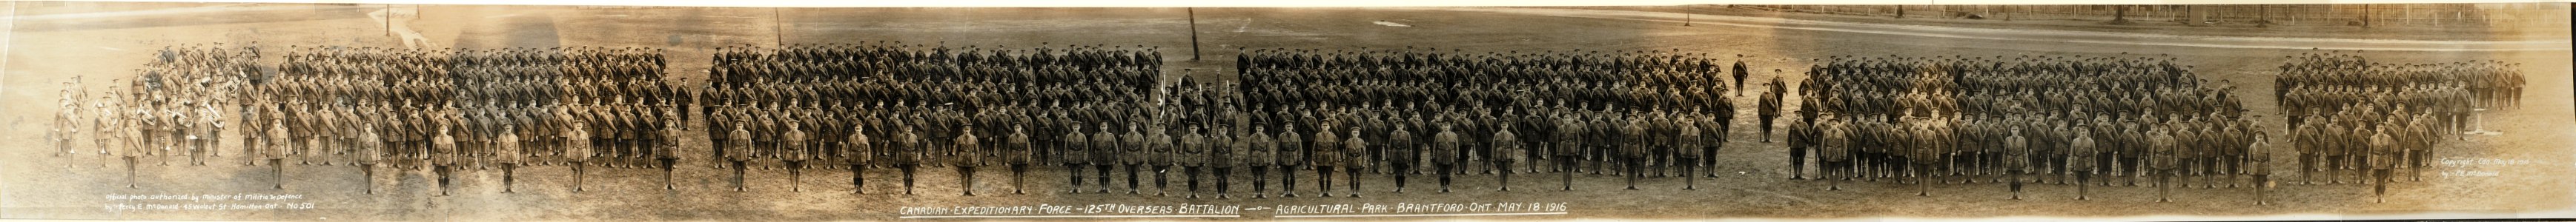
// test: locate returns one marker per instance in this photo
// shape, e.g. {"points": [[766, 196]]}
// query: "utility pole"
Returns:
{"points": [[1194, 33]]}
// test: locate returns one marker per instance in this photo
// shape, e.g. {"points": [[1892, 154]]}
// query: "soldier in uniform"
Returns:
{"points": [[1569, 147], [1351, 153], [443, 148], [2382, 148], [676, 136], [1016, 150], [577, 151], [908, 155], [1444, 151], [2260, 153], [862, 154], [740, 153], [1134, 156], [1193, 146], [2017, 148], [1159, 153], [506, 153], [1221, 157], [970, 152], [1290, 154], [1328, 151], [1802, 141], [1075, 155], [1508, 146], [795, 155], [275, 150], [1689, 142], [1400, 153], [1632, 149], [2161, 154], [1769, 104], [1833, 153], [371, 150], [2081, 155], [1260, 151]]}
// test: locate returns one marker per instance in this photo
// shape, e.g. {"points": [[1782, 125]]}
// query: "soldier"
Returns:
{"points": [[1193, 146], [577, 152], [2161, 146], [1328, 156], [1769, 105], [443, 148], [795, 155], [506, 149], [1134, 156], [1259, 151], [1401, 152], [1351, 153], [275, 151], [970, 153], [2081, 155], [1802, 141], [669, 155], [371, 149], [2382, 148], [1016, 151], [862, 154], [1290, 154], [1221, 157], [1075, 156], [1444, 151], [908, 156], [1632, 149], [1509, 146], [1159, 152], [1834, 154], [1689, 142], [1569, 147], [2017, 148], [1739, 76], [740, 152], [2260, 152]]}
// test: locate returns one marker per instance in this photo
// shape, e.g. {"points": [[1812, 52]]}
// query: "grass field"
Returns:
{"points": [[60, 43]]}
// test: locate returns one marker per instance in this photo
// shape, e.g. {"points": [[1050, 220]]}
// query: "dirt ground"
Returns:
{"points": [[53, 43]]}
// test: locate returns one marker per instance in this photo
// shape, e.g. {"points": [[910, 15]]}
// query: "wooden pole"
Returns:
{"points": [[1194, 33]]}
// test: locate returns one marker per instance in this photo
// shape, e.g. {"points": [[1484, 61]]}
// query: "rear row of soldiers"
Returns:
{"points": [[2007, 119], [2363, 119]]}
